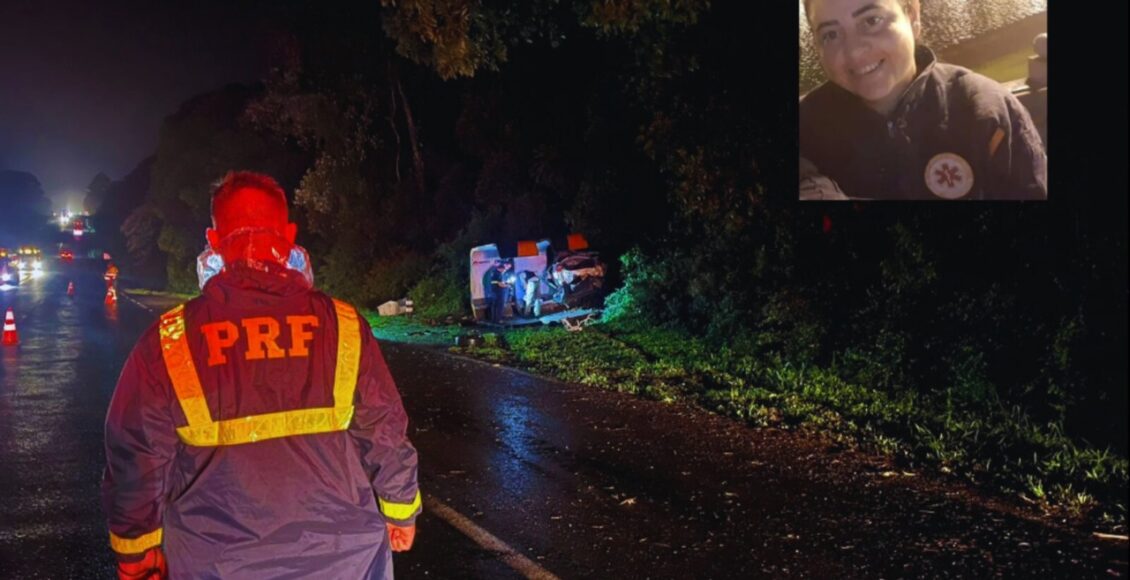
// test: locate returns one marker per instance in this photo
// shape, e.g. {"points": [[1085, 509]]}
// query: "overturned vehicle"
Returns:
{"points": [[536, 281]]}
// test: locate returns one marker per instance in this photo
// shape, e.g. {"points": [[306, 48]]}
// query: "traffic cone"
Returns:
{"points": [[111, 295], [70, 288], [11, 337]]}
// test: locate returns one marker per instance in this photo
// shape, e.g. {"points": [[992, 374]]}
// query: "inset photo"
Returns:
{"points": [[933, 100]]}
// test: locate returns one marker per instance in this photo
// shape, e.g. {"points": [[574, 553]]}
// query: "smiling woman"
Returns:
{"points": [[893, 123]]}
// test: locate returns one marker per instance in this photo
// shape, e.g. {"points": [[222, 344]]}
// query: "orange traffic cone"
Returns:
{"points": [[111, 295], [70, 288], [11, 337]]}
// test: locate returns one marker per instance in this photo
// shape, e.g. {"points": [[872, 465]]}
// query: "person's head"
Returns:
{"points": [[867, 46], [249, 218]]}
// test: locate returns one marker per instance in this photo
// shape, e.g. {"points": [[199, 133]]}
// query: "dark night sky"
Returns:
{"points": [[84, 85]]}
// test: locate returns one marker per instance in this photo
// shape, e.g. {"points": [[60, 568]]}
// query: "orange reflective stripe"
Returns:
{"points": [[995, 141], [202, 431], [399, 511], [136, 545], [348, 353], [182, 371], [267, 426]]}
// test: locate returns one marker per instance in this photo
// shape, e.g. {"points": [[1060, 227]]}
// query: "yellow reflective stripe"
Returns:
{"points": [[399, 511], [182, 371], [348, 353], [136, 545], [267, 426]]}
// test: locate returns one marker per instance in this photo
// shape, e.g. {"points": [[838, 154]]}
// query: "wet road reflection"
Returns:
{"points": [[54, 389], [518, 425]]}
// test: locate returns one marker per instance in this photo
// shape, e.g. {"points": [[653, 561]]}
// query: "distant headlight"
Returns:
{"points": [[5, 277]]}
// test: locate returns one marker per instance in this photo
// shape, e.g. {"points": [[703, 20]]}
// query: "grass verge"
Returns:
{"points": [[161, 294], [991, 444], [411, 330]]}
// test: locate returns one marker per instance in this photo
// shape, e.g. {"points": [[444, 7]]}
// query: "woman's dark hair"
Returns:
{"points": [[908, 6]]}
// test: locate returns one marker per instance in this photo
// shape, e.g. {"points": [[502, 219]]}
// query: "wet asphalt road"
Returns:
{"points": [[54, 390], [594, 484], [584, 483]]}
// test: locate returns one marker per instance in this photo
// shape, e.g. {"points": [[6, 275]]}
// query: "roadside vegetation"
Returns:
{"points": [[182, 296], [411, 330], [991, 444]]}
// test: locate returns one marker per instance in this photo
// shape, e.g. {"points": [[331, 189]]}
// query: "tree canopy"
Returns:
{"points": [[662, 130], [26, 210]]}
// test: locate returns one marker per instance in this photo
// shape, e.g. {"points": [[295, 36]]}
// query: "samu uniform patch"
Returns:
{"points": [[949, 176]]}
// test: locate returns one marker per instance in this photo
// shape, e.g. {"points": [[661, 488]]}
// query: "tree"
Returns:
{"points": [[96, 193], [458, 38], [129, 226], [26, 209], [208, 137], [665, 124]]}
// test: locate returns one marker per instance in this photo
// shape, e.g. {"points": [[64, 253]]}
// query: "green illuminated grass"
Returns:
{"points": [[162, 294], [410, 330]]}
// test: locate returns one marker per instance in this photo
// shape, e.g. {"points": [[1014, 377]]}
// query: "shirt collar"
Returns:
{"points": [[924, 60], [242, 285]]}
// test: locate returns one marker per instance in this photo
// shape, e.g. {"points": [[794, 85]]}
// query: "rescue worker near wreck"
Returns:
{"points": [[255, 431], [893, 123], [491, 279], [496, 289]]}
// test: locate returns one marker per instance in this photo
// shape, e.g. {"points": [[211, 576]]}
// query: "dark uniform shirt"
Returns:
{"points": [[954, 134], [491, 281]]}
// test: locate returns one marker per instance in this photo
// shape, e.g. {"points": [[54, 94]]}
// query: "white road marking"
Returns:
{"points": [[138, 302], [488, 541]]}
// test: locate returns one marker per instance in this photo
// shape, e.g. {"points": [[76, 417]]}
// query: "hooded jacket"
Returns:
{"points": [[954, 134], [256, 432]]}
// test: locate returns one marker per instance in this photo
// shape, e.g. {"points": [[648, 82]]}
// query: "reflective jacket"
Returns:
{"points": [[256, 432], [954, 134]]}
